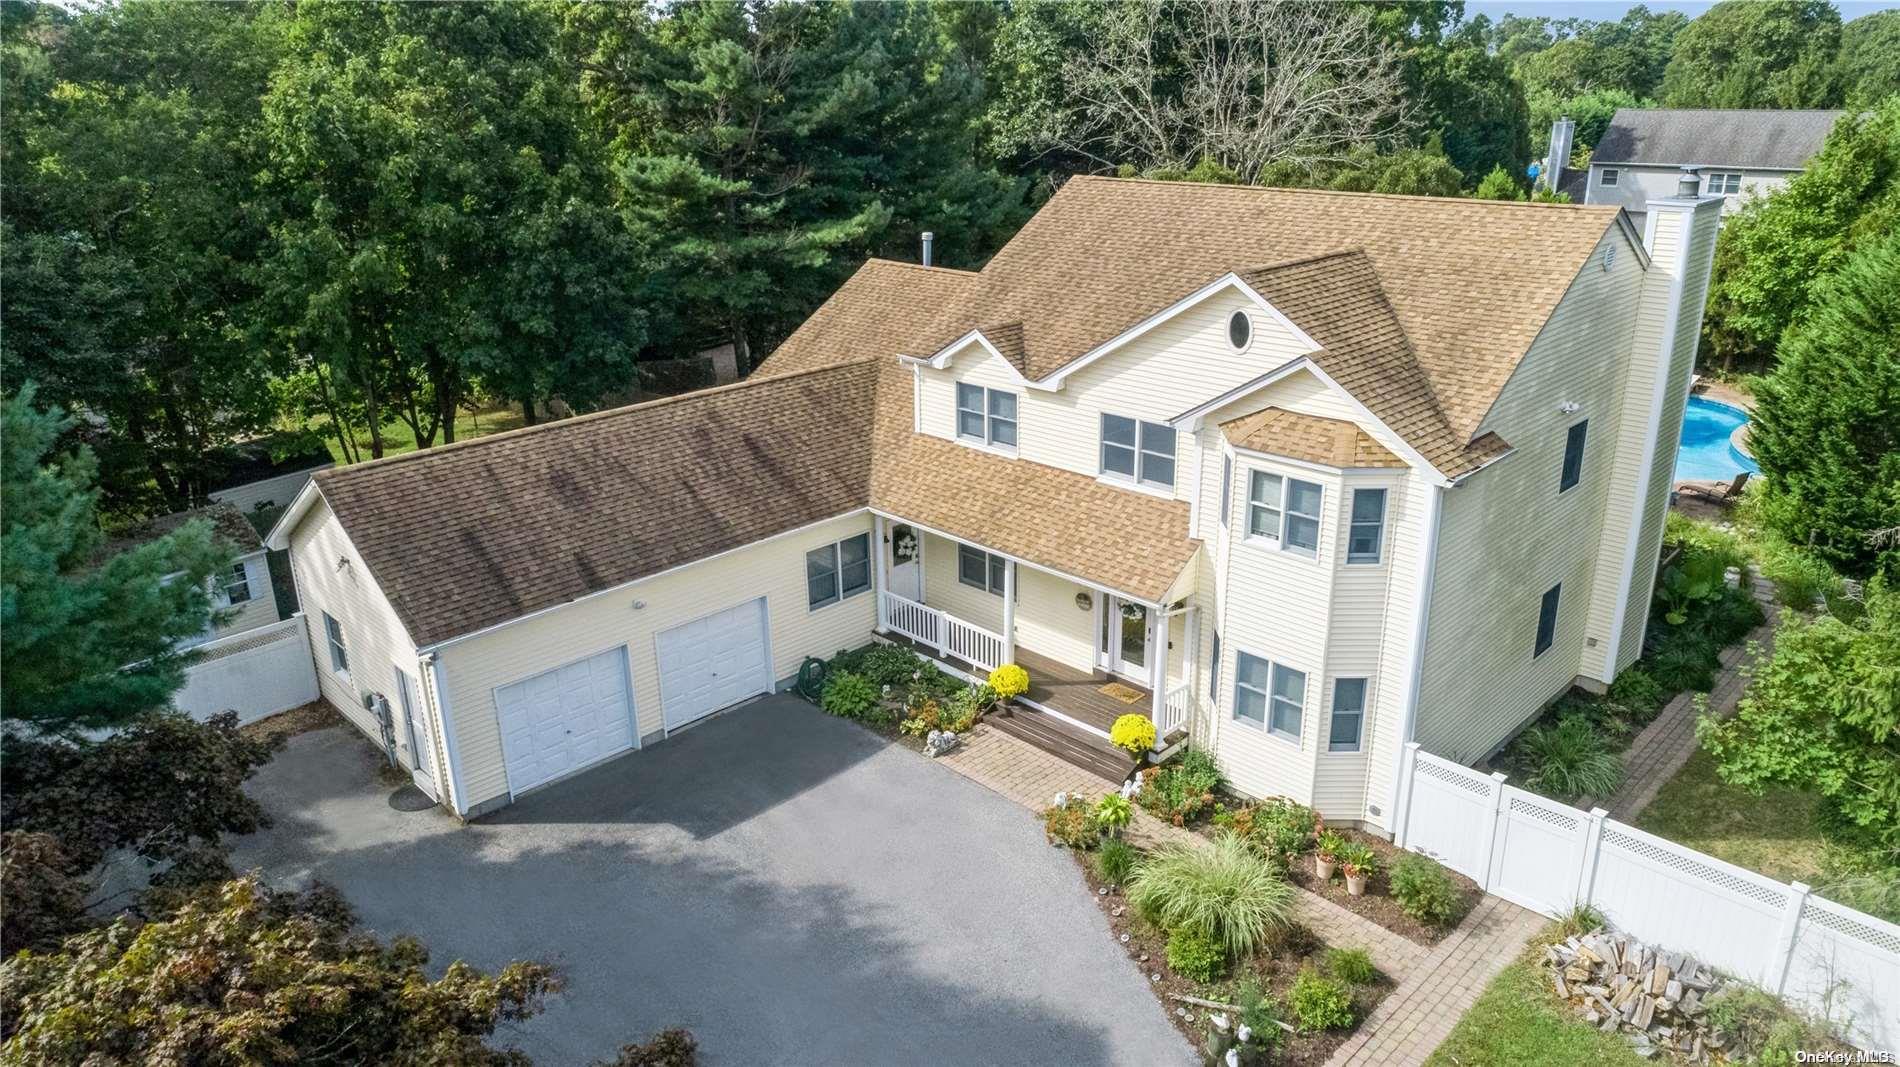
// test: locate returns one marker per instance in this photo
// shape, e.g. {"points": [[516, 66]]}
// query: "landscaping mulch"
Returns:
{"points": [[1275, 970], [316, 715], [1377, 904]]}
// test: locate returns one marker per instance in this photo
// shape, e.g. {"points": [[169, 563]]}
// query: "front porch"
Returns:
{"points": [[1098, 655]]}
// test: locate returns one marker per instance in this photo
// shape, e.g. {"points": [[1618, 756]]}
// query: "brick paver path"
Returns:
{"points": [[1032, 778], [1669, 740], [1410, 1023]]}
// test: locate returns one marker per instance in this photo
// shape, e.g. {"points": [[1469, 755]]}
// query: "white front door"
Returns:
{"points": [[713, 662], [907, 562], [561, 720], [1125, 639], [413, 733]]}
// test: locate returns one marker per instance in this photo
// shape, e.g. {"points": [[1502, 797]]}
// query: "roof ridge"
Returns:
{"points": [[1469, 201], [1299, 261], [592, 416], [920, 266]]}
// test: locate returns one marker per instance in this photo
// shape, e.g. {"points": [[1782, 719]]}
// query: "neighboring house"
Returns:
{"points": [[1741, 154], [250, 479], [241, 598], [1308, 474]]}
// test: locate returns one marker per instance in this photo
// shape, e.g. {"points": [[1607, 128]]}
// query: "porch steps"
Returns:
{"points": [[1065, 742]]}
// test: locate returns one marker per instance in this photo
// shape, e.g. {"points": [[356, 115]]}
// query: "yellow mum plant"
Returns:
{"points": [[1009, 680], [1133, 734]]}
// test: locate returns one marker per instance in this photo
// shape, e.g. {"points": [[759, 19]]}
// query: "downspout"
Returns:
{"points": [[438, 682], [1415, 669]]}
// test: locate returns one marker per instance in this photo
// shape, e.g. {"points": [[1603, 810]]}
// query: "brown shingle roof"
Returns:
{"points": [[227, 523], [1330, 441], [1469, 282], [878, 311]]}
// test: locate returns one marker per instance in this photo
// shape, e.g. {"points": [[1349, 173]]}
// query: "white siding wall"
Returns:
{"points": [[261, 609], [279, 490], [1637, 185], [1048, 621], [1172, 368], [1507, 535], [331, 577], [774, 569]]}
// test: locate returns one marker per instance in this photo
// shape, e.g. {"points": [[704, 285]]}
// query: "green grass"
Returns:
{"points": [[1777, 833], [398, 438], [1519, 1021]]}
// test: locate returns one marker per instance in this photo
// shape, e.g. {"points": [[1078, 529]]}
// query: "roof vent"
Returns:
{"points": [[1690, 186], [928, 238]]}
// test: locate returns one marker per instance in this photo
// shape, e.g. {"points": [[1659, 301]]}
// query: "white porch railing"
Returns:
{"points": [[1174, 711], [946, 633]]}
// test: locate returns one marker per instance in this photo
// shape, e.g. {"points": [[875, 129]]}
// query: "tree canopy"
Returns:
{"points": [[1756, 54]]}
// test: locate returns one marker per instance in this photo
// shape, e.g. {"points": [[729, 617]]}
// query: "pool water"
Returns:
{"points": [[1706, 455]]}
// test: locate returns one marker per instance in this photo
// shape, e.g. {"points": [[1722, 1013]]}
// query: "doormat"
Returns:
{"points": [[1123, 693]]}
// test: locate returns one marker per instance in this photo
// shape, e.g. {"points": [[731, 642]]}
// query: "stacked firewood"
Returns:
{"points": [[1657, 998]]}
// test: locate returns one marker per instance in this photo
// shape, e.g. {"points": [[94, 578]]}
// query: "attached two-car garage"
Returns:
{"points": [[560, 721]]}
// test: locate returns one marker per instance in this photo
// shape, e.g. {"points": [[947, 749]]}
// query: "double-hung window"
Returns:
{"points": [[1269, 695], [339, 655], [1366, 534], [1547, 620], [1285, 510], [1349, 715], [981, 569], [1138, 451], [1573, 456], [836, 571], [986, 416], [1725, 183], [237, 585], [1608, 178]]}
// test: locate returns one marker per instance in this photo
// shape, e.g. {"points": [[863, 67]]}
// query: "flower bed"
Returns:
{"points": [[1273, 972], [1377, 903], [899, 695]]}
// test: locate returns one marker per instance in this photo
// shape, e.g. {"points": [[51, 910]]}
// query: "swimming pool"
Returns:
{"points": [[1705, 454]]}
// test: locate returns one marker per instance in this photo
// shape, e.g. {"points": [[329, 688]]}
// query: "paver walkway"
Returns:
{"points": [[1417, 1016], [1032, 778], [1669, 740]]}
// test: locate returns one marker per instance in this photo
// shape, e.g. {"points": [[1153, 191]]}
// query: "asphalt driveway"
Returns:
{"points": [[788, 886]]}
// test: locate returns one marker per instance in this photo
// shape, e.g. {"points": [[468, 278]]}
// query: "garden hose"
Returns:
{"points": [[811, 678]]}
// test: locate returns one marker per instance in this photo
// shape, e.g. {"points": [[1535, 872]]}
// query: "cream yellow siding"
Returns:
{"points": [[1049, 621], [332, 579], [260, 609], [1407, 531], [775, 569], [1180, 363], [1508, 535]]}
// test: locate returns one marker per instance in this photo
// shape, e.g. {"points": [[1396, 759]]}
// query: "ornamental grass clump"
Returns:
{"points": [[1222, 888], [1569, 760]]}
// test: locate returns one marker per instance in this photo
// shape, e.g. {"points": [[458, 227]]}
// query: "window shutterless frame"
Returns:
{"points": [[1365, 535], [237, 585], [837, 571], [981, 570], [1547, 620], [986, 416], [1572, 472], [1285, 510], [1138, 451], [1349, 715], [1269, 695], [1608, 177], [339, 652]]}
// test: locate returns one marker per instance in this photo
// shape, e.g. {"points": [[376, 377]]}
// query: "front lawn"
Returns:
{"points": [[1518, 1020]]}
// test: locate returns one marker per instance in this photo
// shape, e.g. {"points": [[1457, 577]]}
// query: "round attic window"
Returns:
{"points": [[1239, 330]]}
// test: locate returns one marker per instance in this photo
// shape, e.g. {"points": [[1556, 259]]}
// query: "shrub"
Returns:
{"points": [[1009, 681], [1638, 691], [1683, 659], [961, 710], [1425, 890], [1113, 812], [851, 696], [1282, 829], [1133, 734], [1071, 824], [1195, 953], [891, 665], [1799, 577], [1320, 1003], [1182, 789], [1760, 1026], [1115, 861], [1352, 966], [1222, 888], [1253, 1036], [1569, 760], [669, 1048]]}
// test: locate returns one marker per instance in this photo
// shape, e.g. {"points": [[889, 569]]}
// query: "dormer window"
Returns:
{"points": [[1239, 330], [986, 416], [1138, 451]]}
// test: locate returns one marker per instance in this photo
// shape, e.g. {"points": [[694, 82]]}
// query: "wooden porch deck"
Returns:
{"points": [[1068, 691]]}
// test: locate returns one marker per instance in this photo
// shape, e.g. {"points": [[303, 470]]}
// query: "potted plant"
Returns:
{"points": [[1008, 681], [1357, 861], [1133, 734], [1326, 854]]}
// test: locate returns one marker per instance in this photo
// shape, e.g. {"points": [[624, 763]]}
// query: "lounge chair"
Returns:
{"points": [[1720, 492]]}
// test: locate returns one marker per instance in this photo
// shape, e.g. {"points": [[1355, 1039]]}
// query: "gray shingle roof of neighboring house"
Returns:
{"points": [[1768, 140]]}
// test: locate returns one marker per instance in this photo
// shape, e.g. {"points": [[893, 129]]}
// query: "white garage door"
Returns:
{"points": [[565, 719], [713, 662]]}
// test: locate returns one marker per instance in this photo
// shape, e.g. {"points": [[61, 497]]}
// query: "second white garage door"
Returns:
{"points": [[564, 719], [713, 662]]}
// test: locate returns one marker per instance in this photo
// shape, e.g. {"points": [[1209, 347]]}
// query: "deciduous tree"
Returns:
{"points": [[1870, 58], [1756, 54]]}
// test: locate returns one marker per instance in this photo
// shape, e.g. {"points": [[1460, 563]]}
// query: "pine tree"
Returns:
{"points": [[89, 641]]}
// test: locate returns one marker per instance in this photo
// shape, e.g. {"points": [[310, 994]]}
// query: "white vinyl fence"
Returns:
{"points": [[1549, 856], [255, 673]]}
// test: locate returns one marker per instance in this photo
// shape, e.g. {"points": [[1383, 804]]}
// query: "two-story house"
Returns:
{"points": [[1302, 475], [241, 597], [1741, 154]]}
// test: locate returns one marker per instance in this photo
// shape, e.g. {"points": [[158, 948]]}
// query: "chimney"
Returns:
{"points": [[1689, 186], [928, 238], [1563, 133]]}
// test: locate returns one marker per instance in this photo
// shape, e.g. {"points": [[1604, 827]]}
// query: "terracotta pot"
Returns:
{"points": [[1356, 884], [1323, 867]]}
